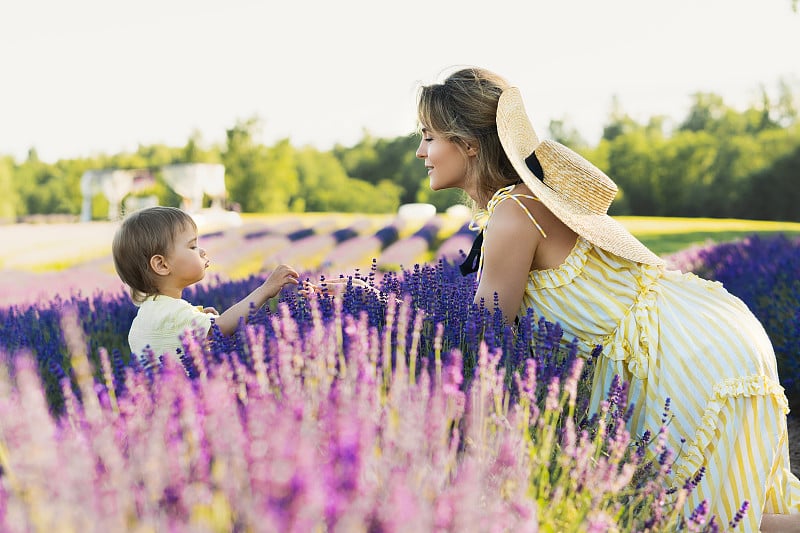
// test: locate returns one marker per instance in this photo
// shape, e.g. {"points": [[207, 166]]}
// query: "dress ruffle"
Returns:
{"points": [[658, 328], [567, 271], [640, 318], [693, 456]]}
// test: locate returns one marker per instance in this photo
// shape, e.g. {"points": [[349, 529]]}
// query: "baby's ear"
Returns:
{"points": [[159, 265]]}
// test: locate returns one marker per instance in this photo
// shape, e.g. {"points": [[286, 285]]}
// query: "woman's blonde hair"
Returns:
{"points": [[142, 235], [463, 109]]}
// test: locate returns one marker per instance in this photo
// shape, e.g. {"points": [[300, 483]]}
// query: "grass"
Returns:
{"points": [[666, 235], [675, 242]]}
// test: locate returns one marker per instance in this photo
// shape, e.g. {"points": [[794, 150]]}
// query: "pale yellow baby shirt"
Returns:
{"points": [[161, 321]]}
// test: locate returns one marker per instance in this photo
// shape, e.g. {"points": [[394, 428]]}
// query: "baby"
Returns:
{"points": [[157, 255]]}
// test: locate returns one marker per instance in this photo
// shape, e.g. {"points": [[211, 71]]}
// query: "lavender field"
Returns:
{"points": [[39, 261], [405, 408]]}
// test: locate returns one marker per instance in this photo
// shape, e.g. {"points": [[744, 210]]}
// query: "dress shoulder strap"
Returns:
{"points": [[504, 194], [481, 219]]}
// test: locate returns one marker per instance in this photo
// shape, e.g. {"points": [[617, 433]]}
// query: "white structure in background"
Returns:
{"points": [[192, 181], [459, 212], [113, 184], [419, 212]]}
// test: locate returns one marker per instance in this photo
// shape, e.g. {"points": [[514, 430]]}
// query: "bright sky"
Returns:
{"points": [[82, 77]]}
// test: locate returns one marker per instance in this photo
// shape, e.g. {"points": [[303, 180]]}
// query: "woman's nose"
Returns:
{"points": [[421, 152]]}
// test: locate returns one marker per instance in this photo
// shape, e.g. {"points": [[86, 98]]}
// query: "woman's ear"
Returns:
{"points": [[159, 265], [472, 149]]}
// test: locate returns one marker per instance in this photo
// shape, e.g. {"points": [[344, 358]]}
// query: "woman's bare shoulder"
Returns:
{"points": [[515, 213]]}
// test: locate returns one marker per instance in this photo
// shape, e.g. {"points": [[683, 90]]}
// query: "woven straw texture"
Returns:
{"points": [[575, 190]]}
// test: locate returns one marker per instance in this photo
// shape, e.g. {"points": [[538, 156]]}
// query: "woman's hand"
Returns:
{"points": [[334, 285]]}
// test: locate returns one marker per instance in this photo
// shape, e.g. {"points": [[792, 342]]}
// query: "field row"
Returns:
{"points": [[40, 261]]}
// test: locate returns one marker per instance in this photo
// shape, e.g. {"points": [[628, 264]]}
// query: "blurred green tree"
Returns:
{"points": [[47, 189], [774, 192], [562, 131], [374, 160], [8, 193], [325, 186], [259, 179]]}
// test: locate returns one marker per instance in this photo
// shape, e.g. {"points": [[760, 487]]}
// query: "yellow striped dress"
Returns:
{"points": [[675, 335]]}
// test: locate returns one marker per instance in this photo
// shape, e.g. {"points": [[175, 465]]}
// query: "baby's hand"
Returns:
{"points": [[210, 311], [282, 275]]}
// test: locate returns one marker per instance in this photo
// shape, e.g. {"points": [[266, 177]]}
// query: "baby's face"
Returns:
{"points": [[187, 260]]}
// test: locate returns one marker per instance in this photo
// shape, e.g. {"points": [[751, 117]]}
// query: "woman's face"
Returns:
{"points": [[445, 161]]}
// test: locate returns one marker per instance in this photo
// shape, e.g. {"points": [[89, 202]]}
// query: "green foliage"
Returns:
{"points": [[619, 122], [395, 161], [375, 160], [8, 193], [631, 162], [279, 178], [709, 166], [99, 207], [562, 131], [320, 175], [774, 192], [687, 159], [48, 189], [670, 243], [717, 162], [325, 186], [259, 178], [369, 198], [193, 151]]}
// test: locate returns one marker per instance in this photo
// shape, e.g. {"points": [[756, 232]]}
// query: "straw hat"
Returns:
{"points": [[576, 191]]}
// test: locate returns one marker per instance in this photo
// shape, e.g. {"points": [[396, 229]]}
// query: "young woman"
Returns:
{"points": [[547, 243], [157, 254]]}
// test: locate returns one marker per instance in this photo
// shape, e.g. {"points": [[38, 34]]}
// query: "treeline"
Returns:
{"points": [[716, 162]]}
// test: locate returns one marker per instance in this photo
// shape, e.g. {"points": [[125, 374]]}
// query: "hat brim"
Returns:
{"points": [[601, 230]]}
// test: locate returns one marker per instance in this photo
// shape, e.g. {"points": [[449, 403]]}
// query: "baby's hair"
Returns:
{"points": [[142, 235]]}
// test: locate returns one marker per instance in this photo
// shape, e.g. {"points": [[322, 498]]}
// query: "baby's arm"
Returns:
{"points": [[281, 276]]}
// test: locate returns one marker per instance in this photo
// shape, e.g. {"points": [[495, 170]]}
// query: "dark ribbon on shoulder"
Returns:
{"points": [[472, 261]]}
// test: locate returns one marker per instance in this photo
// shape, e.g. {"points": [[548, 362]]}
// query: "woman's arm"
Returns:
{"points": [[509, 245], [335, 286]]}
